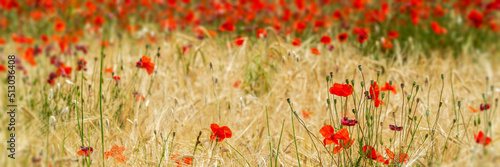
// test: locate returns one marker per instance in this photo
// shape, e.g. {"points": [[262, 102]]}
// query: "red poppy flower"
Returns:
{"points": [[85, 151], [138, 96], [331, 136], [2, 68], [220, 132], [116, 152], [306, 115], [342, 37], [387, 44], [315, 51], [482, 139], [261, 33], [402, 158], [362, 34], [227, 26], [82, 64], [393, 34], [108, 70], [395, 128], [116, 78], [343, 90], [296, 42], [145, 63], [237, 83], [325, 39], [60, 26], [348, 122], [370, 152], [438, 29], [99, 20], [473, 109], [344, 144], [63, 70], [390, 87], [375, 93], [337, 14], [239, 41], [475, 18], [483, 107], [184, 161]]}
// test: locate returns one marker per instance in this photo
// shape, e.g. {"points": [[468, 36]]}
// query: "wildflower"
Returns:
{"points": [[239, 41], [337, 14], [362, 34], [402, 158], [370, 152], [325, 39], [145, 63], [331, 136], [108, 70], [387, 44], [2, 68], [473, 109], [116, 78], [374, 93], [82, 64], [306, 114], [52, 76], [344, 144], [482, 139], [395, 128], [116, 152], [237, 83], [138, 96], [261, 33], [438, 29], [342, 37], [85, 151], [348, 122], [483, 107], [220, 133], [99, 20], [296, 42], [60, 26], [63, 70], [315, 51], [475, 18], [341, 89], [390, 87], [227, 26], [182, 161], [393, 34]]}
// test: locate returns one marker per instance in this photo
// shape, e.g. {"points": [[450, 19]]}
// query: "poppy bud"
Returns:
{"points": [[335, 101], [360, 68], [440, 104], [409, 96], [353, 111], [288, 100], [427, 112], [402, 86], [382, 95], [352, 82], [426, 135], [347, 81], [331, 75], [414, 83], [328, 101], [417, 87], [442, 76], [489, 124], [459, 103], [378, 73], [418, 100], [327, 78], [173, 134], [479, 120], [454, 121]]}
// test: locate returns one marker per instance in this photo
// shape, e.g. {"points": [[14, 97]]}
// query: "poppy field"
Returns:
{"points": [[249, 82]]}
